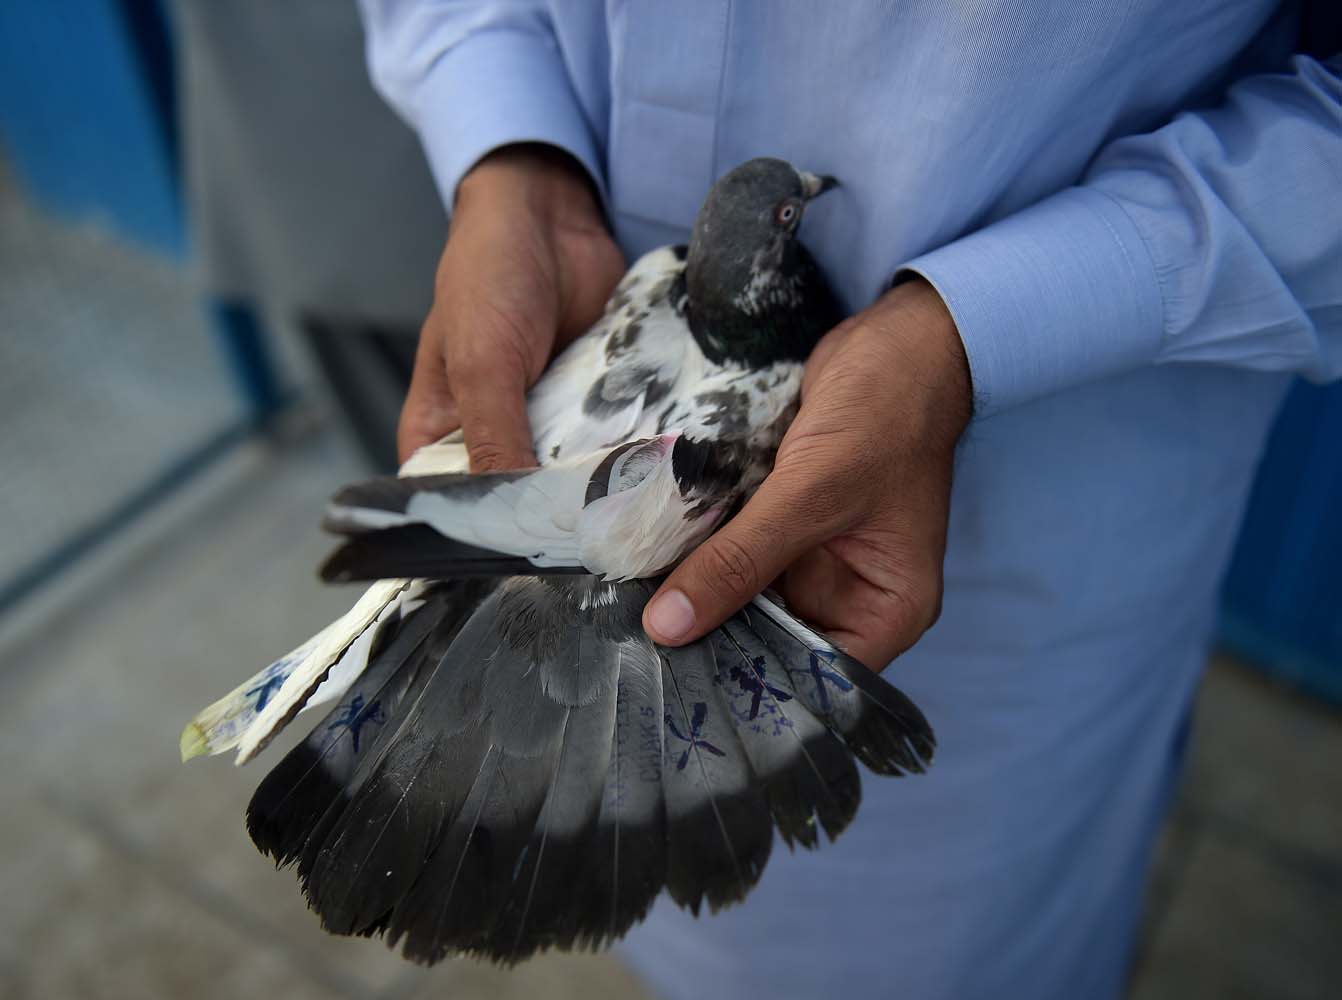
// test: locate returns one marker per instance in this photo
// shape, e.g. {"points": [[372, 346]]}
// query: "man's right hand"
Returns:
{"points": [[528, 267]]}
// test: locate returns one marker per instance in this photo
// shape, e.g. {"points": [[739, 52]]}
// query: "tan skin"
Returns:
{"points": [[528, 267], [851, 524]]}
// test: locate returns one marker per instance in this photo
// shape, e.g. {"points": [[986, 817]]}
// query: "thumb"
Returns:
{"points": [[733, 565]]}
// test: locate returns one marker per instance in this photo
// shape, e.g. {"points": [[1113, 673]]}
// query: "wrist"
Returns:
{"points": [[920, 326], [539, 179]]}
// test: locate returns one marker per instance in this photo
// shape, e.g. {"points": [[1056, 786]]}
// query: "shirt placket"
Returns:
{"points": [[666, 82]]}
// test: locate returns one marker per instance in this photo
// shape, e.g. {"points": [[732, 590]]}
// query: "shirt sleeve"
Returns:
{"points": [[470, 77], [1216, 239]]}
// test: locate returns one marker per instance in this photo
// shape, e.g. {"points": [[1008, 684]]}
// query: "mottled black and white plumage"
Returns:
{"points": [[511, 764]]}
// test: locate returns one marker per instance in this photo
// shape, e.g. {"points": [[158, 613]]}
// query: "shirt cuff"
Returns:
{"points": [[496, 89], [1055, 295]]}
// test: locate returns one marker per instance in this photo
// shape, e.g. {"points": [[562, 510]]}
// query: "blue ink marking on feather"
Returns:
{"points": [[754, 683], [266, 688], [695, 738], [758, 714], [356, 715], [819, 675]]}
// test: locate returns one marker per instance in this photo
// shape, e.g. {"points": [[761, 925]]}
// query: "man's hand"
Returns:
{"points": [[528, 266], [851, 522]]}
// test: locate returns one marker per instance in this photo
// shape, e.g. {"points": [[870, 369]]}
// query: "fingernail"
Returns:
{"points": [[671, 615]]}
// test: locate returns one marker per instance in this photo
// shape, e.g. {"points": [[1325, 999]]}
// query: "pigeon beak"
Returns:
{"points": [[815, 184]]}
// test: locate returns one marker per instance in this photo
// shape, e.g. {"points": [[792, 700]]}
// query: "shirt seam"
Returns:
{"points": [[1127, 256]]}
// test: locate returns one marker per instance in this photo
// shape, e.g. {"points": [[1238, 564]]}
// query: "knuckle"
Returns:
{"points": [[465, 368], [488, 456], [918, 606], [730, 570], [511, 331], [487, 364]]}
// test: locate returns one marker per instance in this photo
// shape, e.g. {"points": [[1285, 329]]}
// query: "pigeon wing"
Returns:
{"points": [[627, 513]]}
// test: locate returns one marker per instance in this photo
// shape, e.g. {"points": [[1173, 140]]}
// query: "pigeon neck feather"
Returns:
{"points": [[756, 307]]}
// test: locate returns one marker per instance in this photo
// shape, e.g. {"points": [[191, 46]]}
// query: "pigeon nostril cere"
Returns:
{"points": [[814, 185], [671, 616]]}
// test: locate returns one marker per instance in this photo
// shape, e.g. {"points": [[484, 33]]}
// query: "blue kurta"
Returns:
{"points": [[1133, 282]]}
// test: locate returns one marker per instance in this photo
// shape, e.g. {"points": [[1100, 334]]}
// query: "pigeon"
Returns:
{"points": [[509, 763]]}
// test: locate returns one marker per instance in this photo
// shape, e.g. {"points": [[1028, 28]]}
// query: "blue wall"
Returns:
{"points": [[84, 117], [1282, 603]]}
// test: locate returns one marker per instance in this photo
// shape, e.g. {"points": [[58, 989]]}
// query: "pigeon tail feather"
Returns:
{"points": [[536, 771]]}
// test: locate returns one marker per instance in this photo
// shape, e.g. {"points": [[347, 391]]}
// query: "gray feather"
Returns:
{"points": [[377, 845], [625, 865], [320, 770], [879, 723], [539, 897], [718, 830], [809, 776], [459, 893]]}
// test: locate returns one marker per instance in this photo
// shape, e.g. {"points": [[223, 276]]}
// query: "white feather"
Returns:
{"points": [[339, 651], [661, 354], [642, 530], [228, 722], [533, 517], [307, 676], [446, 455]]}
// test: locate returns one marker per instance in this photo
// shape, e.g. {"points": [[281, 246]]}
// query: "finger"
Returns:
{"points": [[860, 647], [810, 585], [828, 595], [429, 411], [736, 563], [873, 622], [892, 596], [493, 408], [873, 642]]}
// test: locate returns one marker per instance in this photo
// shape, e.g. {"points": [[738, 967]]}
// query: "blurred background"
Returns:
{"points": [[216, 246]]}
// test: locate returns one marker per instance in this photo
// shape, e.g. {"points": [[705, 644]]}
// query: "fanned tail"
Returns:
{"points": [[531, 770]]}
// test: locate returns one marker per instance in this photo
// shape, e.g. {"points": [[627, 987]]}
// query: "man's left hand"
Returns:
{"points": [[850, 526]]}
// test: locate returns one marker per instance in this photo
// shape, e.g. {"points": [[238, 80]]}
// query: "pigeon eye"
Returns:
{"points": [[787, 213]]}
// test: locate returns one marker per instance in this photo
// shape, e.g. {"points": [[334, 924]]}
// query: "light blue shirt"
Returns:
{"points": [[1133, 278]]}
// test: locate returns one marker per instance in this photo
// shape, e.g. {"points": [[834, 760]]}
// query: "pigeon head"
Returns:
{"points": [[747, 276]]}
